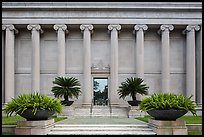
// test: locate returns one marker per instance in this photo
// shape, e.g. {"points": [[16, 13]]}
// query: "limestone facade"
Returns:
{"points": [[160, 42]]}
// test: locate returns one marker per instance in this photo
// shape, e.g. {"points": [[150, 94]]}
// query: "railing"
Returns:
{"points": [[109, 104], [91, 108]]}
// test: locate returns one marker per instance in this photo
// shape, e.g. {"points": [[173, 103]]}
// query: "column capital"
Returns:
{"points": [[61, 27], [86, 27], [114, 26], [140, 27], [165, 27], [9, 27], [36, 27], [191, 27]]}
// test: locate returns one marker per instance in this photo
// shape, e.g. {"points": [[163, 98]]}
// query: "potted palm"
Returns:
{"points": [[132, 86], [34, 106], [167, 106], [68, 87]]}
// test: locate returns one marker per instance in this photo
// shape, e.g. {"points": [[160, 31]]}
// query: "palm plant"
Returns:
{"points": [[68, 87], [132, 86]]}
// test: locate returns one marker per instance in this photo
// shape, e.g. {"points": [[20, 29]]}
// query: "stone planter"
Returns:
{"points": [[40, 115], [165, 127], [171, 114], [40, 127]]}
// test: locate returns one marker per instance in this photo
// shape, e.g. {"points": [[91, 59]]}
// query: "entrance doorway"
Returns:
{"points": [[100, 91]]}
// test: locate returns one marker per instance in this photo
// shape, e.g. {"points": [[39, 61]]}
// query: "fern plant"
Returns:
{"points": [[166, 101], [34, 101]]}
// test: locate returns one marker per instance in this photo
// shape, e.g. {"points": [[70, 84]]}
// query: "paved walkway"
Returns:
{"points": [[101, 120]]}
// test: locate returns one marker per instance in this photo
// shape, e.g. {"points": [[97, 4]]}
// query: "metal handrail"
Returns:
{"points": [[91, 108], [109, 104]]}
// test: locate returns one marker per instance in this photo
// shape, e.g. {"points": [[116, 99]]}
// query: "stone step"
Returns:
{"points": [[101, 125], [101, 129], [101, 111], [102, 133]]}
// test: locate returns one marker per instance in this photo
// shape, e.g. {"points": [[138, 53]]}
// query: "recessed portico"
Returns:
{"points": [[100, 43]]}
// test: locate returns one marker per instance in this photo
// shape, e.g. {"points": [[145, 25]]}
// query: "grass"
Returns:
{"points": [[188, 119], [192, 119], [12, 120], [194, 132], [8, 133]]}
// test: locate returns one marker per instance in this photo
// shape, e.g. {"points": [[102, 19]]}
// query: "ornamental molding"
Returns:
{"points": [[99, 66]]}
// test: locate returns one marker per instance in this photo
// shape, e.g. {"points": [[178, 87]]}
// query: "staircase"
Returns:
{"points": [[101, 129], [101, 111], [101, 120]]}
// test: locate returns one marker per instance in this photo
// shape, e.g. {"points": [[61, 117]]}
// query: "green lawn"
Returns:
{"points": [[13, 119], [188, 119], [194, 133]]}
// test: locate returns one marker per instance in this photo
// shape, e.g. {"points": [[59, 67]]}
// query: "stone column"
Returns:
{"points": [[3, 70], [164, 30], [114, 64], [35, 30], [9, 62], [190, 60], [199, 66], [140, 49], [87, 91], [61, 48]]}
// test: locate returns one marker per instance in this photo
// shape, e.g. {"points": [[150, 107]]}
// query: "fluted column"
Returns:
{"points": [[199, 66], [3, 70], [190, 60], [164, 30], [35, 30], [9, 62], [87, 91], [61, 48], [114, 64], [140, 49]]}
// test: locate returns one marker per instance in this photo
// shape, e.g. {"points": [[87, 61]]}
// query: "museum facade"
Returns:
{"points": [[160, 42]]}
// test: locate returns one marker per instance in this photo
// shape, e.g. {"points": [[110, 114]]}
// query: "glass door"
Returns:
{"points": [[100, 89]]}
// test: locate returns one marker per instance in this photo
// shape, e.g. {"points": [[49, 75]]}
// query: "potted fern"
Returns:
{"points": [[34, 106], [67, 87], [167, 106], [132, 86]]}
